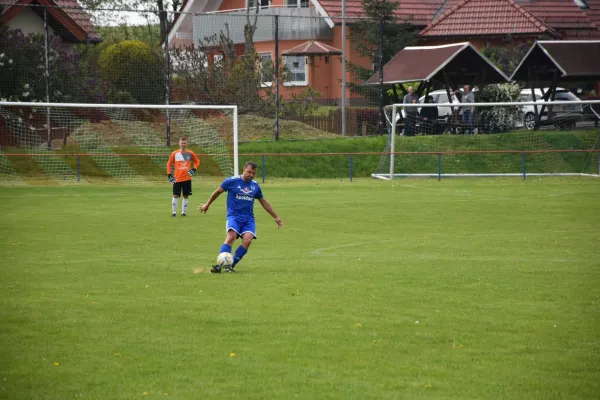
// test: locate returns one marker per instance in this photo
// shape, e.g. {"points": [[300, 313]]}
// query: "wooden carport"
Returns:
{"points": [[555, 62]]}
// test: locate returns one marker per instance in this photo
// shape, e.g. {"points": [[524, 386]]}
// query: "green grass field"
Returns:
{"points": [[460, 289]]}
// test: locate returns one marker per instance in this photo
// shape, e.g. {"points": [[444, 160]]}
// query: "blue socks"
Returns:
{"points": [[239, 254]]}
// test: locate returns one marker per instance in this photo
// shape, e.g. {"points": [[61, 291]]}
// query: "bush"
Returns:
{"points": [[73, 78], [499, 119], [134, 71]]}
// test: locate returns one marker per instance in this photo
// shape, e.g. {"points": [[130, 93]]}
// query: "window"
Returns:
{"points": [[217, 59], [297, 71], [266, 68], [565, 95], [297, 3], [261, 3]]}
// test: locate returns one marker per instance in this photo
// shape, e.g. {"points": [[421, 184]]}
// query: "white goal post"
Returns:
{"points": [[114, 137], [494, 139]]}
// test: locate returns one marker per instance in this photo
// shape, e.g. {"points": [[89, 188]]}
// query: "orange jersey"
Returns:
{"points": [[183, 163]]}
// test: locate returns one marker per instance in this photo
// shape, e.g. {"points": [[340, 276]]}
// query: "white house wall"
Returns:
{"points": [[28, 22]]}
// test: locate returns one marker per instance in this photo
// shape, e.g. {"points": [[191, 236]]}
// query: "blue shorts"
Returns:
{"points": [[241, 226]]}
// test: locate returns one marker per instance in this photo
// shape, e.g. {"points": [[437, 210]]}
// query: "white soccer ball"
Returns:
{"points": [[225, 260]]}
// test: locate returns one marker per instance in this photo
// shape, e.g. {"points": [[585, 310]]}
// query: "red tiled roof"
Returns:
{"points": [[67, 12], [416, 12], [486, 18], [559, 14], [81, 18], [313, 47], [593, 13]]}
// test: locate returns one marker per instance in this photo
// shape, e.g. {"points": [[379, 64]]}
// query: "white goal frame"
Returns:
{"points": [[391, 146], [145, 107]]}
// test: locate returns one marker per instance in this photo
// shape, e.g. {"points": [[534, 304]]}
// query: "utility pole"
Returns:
{"points": [[343, 102]]}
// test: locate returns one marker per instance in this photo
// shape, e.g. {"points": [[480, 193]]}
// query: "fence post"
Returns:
{"points": [[47, 75], [382, 122], [439, 166], [524, 165], [262, 158], [350, 167], [78, 167], [343, 99], [276, 78], [168, 80]]}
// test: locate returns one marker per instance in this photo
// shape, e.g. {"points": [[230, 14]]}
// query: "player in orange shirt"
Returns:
{"points": [[181, 178]]}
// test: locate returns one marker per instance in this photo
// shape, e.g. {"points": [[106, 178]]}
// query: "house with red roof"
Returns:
{"points": [[66, 19], [481, 22]]}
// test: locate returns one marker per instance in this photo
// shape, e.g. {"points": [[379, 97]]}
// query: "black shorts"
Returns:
{"points": [[185, 186]]}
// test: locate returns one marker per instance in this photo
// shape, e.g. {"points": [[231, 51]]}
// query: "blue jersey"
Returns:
{"points": [[240, 197]]}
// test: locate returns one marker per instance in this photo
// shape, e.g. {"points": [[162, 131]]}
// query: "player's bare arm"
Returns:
{"points": [[269, 208], [204, 207]]}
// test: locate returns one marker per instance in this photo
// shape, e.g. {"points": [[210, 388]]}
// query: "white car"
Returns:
{"points": [[563, 116], [439, 96]]}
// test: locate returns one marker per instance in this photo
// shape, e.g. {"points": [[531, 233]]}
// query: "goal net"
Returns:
{"points": [[112, 142], [491, 139]]}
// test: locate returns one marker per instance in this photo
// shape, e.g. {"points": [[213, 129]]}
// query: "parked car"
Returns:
{"points": [[562, 116], [439, 96], [445, 118]]}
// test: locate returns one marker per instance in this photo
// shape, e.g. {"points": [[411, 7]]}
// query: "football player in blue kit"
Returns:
{"points": [[241, 193]]}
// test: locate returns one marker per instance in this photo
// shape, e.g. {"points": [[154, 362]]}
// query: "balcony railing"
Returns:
{"points": [[294, 24]]}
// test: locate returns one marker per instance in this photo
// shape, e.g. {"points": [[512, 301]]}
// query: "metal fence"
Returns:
{"points": [[224, 58]]}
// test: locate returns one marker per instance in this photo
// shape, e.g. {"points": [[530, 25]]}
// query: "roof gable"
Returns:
{"points": [[486, 18]]}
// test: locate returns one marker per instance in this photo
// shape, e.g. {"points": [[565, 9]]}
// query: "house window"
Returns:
{"points": [[266, 68], [297, 70], [261, 3], [218, 59], [297, 3]]}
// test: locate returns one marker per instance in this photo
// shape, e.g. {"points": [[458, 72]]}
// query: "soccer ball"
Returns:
{"points": [[225, 260]]}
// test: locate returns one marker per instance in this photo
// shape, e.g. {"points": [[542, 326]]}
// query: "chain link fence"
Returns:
{"points": [[281, 66]]}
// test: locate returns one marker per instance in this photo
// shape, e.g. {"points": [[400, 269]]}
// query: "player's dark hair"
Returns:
{"points": [[251, 164], [183, 138]]}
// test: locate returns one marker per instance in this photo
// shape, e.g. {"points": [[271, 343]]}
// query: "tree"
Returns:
{"points": [[508, 56], [72, 72], [378, 36], [366, 38], [135, 72], [233, 79], [120, 12]]}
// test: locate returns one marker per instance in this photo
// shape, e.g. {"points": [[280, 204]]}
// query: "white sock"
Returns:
{"points": [[174, 204], [184, 206]]}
